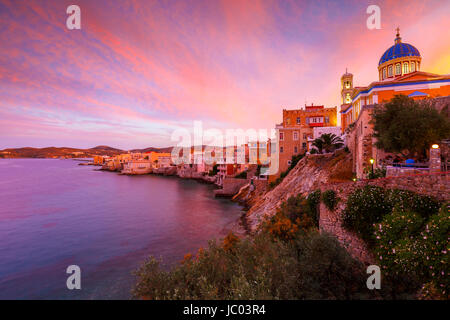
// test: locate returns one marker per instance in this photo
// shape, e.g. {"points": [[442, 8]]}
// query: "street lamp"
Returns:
{"points": [[435, 146], [371, 163]]}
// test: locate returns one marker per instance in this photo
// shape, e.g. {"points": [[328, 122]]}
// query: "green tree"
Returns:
{"points": [[409, 127], [328, 142]]}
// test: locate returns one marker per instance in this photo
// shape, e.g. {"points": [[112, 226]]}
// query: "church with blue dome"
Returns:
{"points": [[400, 59], [399, 73]]}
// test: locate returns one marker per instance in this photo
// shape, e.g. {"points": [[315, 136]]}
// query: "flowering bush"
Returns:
{"points": [[365, 206], [407, 244], [394, 248], [368, 205]]}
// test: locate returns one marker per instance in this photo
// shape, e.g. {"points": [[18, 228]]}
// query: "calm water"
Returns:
{"points": [[54, 213]]}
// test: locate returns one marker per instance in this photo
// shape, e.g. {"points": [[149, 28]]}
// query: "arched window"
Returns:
{"points": [[384, 73], [347, 98], [398, 69], [390, 71], [405, 67], [413, 66]]}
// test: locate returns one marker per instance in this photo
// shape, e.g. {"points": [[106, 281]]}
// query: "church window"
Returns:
{"points": [[413, 66], [384, 73], [398, 69], [390, 71], [347, 98], [405, 67]]}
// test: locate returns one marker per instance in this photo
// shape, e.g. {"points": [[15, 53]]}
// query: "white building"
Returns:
{"points": [[137, 167], [318, 131]]}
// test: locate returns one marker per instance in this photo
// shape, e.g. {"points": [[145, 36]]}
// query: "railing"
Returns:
{"points": [[417, 165]]}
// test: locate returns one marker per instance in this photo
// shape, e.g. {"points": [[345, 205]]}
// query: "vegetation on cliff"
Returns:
{"points": [[286, 259], [408, 234]]}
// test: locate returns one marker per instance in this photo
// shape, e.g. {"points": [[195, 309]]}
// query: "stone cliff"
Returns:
{"points": [[308, 175]]}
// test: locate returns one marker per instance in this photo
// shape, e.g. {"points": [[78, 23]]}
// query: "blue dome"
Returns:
{"points": [[399, 50]]}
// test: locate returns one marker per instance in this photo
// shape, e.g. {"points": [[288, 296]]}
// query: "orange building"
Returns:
{"points": [[297, 127], [399, 73]]}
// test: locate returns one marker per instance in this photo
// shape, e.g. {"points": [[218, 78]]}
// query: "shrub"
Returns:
{"points": [[392, 241], [280, 227], [329, 199], [313, 201], [368, 205], [314, 266], [407, 200], [242, 175], [214, 170], [365, 206], [408, 246], [376, 173], [294, 160]]}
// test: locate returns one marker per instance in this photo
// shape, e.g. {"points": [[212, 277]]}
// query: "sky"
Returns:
{"points": [[138, 70]]}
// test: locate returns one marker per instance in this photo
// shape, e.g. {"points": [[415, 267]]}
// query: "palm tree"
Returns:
{"points": [[328, 142], [318, 143]]}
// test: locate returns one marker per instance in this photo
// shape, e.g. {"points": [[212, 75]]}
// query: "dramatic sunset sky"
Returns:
{"points": [[137, 70]]}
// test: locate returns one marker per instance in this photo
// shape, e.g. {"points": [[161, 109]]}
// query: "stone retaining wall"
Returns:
{"points": [[436, 185], [230, 187]]}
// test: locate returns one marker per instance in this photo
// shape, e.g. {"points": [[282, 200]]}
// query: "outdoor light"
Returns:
{"points": [[354, 179], [371, 161], [435, 146]]}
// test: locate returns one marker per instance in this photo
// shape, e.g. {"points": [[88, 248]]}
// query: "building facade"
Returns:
{"points": [[296, 130], [399, 73]]}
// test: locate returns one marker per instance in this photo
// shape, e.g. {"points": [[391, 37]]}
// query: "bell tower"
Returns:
{"points": [[346, 87]]}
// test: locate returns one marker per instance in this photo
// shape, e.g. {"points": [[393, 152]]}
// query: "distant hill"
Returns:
{"points": [[150, 149], [106, 149], [58, 152]]}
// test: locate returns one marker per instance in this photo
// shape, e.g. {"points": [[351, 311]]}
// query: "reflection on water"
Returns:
{"points": [[54, 213]]}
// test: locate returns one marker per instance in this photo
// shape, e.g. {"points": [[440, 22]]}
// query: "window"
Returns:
{"points": [[281, 149], [281, 136], [398, 69], [405, 67], [347, 84], [298, 120], [295, 149], [295, 135], [413, 66], [384, 73], [304, 145], [288, 121], [304, 136], [289, 162], [347, 98], [390, 71], [327, 119]]}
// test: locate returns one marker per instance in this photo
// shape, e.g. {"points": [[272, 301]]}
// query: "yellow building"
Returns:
{"points": [[158, 158], [398, 73], [295, 130]]}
